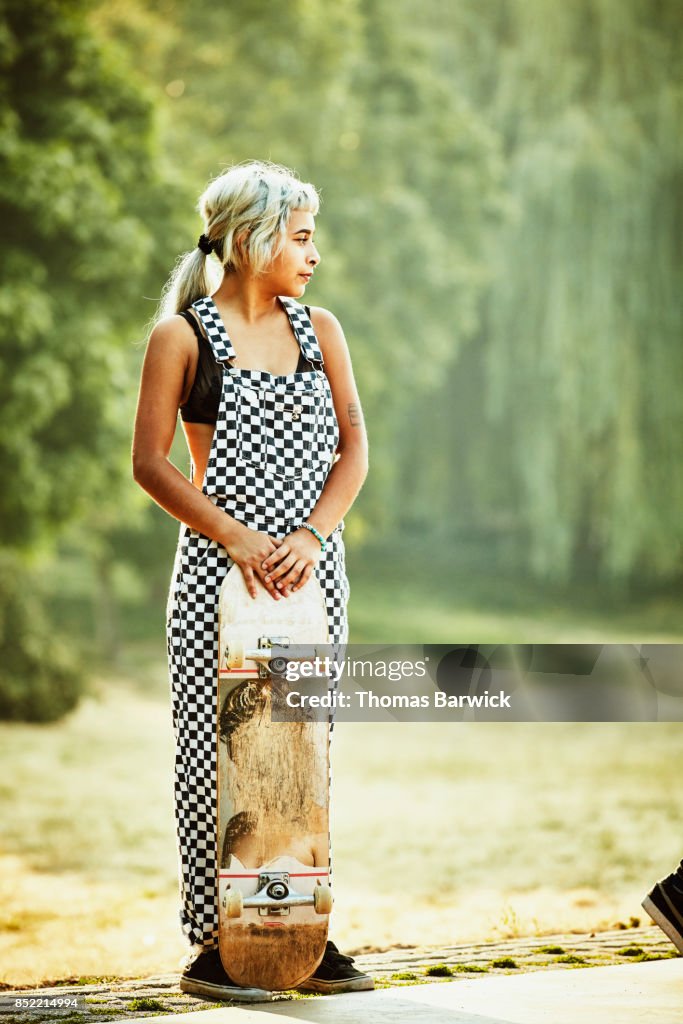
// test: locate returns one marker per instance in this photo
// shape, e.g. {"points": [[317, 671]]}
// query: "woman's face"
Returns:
{"points": [[292, 269]]}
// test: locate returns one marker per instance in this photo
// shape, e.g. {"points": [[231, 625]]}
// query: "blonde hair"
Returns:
{"points": [[245, 212]]}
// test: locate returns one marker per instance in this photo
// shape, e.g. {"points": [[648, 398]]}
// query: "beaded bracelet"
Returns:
{"points": [[307, 526]]}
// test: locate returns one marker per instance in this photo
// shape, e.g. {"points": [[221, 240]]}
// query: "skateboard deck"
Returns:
{"points": [[273, 801]]}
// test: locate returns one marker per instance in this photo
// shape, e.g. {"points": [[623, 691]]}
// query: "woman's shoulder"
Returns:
{"points": [[174, 334], [327, 329]]}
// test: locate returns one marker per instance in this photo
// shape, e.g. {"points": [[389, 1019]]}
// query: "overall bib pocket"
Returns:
{"points": [[291, 431], [277, 424]]}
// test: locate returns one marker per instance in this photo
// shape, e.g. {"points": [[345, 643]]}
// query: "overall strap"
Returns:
{"points": [[303, 328], [216, 333]]}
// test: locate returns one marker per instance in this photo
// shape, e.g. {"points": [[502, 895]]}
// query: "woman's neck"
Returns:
{"points": [[249, 297]]}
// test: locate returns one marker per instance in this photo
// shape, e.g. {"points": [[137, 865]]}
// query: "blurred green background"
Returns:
{"points": [[501, 237]]}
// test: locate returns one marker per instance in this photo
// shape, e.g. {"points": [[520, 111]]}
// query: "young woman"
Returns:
{"points": [[278, 453]]}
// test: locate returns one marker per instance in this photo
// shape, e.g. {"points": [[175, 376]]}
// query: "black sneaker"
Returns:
{"points": [[664, 904], [336, 973], [204, 975]]}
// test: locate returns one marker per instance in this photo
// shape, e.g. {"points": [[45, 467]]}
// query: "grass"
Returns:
{"points": [[455, 593], [438, 971], [647, 957], [88, 882], [144, 1003]]}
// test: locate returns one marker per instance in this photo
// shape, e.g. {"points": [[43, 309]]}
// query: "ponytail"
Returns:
{"points": [[190, 280]]}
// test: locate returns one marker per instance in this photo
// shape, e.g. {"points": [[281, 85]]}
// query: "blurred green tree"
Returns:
{"points": [[40, 679], [562, 427], [76, 156], [81, 205]]}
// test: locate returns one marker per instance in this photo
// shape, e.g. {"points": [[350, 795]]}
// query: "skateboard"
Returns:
{"points": [[274, 897]]}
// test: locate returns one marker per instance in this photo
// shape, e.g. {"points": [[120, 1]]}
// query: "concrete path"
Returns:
{"points": [[618, 977], [643, 993]]}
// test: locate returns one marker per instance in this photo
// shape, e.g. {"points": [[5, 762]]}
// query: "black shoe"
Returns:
{"points": [[336, 974], [204, 975], [664, 904]]}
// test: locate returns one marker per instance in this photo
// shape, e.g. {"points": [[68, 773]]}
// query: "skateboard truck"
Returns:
{"points": [[272, 654], [275, 897], [273, 665]]}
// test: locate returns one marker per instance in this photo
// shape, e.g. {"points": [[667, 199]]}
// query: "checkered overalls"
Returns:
{"points": [[272, 449]]}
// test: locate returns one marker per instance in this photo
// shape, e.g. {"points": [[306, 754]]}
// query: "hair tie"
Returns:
{"points": [[206, 245]]}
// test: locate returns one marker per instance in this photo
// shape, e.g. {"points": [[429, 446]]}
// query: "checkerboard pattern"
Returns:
{"points": [[276, 437], [272, 450]]}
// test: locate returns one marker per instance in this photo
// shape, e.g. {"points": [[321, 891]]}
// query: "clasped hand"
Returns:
{"points": [[282, 566]]}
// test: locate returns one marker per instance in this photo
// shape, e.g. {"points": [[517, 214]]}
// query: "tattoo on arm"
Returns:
{"points": [[354, 415]]}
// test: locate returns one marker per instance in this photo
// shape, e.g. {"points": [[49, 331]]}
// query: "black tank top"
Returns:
{"points": [[204, 398]]}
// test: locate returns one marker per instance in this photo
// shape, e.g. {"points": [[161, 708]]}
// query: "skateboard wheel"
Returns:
{"points": [[233, 903], [322, 899], [234, 652]]}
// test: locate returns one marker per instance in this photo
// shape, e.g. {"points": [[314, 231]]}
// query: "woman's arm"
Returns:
{"points": [[346, 477], [292, 563], [168, 362]]}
